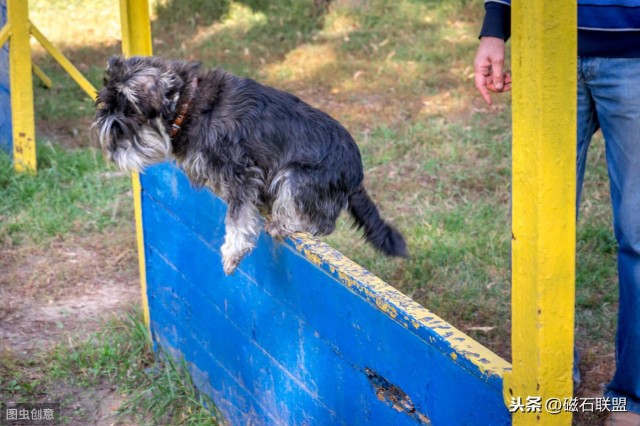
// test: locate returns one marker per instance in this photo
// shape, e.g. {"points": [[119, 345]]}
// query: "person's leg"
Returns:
{"points": [[587, 122], [587, 125], [615, 87]]}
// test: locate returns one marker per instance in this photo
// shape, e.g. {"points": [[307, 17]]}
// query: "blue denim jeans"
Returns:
{"points": [[609, 98]]}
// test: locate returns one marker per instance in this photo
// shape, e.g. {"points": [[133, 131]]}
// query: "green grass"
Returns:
{"points": [[168, 393], [74, 191], [398, 76], [16, 379], [449, 193], [596, 270], [65, 100], [156, 390], [120, 352]]}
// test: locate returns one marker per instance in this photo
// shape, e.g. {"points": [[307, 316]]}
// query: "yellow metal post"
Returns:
{"points": [[136, 40], [544, 198], [24, 142], [136, 27]]}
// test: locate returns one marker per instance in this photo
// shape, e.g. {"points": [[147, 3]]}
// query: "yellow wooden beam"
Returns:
{"points": [[65, 63], [136, 40], [544, 62], [22, 116], [44, 78], [5, 33]]}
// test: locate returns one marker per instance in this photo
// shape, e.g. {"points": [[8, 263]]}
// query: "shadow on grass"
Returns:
{"points": [[240, 36], [181, 30], [352, 60]]}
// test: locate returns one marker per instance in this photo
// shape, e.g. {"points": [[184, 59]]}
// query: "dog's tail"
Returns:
{"points": [[376, 231]]}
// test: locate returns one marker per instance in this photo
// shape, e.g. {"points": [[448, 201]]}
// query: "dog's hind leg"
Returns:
{"points": [[284, 219], [242, 226], [303, 204]]}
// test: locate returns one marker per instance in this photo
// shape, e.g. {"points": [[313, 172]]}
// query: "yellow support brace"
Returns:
{"points": [[136, 40], [544, 198], [5, 33], [44, 78], [65, 63], [24, 142]]}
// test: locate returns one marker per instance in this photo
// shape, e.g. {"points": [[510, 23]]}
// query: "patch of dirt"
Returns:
{"points": [[65, 268], [31, 325], [68, 133], [355, 108], [597, 366], [50, 294], [95, 406]]}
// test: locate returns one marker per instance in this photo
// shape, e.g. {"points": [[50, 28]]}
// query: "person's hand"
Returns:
{"points": [[488, 68]]}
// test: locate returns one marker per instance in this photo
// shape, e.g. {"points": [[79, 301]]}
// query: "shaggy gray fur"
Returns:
{"points": [[262, 150]]}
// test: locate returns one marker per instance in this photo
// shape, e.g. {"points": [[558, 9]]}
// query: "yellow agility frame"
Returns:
{"points": [[18, 31], [136, 40], [544, 200]]}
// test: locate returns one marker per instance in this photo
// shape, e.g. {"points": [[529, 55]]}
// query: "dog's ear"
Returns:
{"points": [[115, 63], [170, 80], [171, 84]]}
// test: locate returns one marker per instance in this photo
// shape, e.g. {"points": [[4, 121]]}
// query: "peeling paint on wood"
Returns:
{"points": [[394, 396]]}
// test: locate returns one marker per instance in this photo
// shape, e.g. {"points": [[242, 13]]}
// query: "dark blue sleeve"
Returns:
{"points": [[497, 21]]}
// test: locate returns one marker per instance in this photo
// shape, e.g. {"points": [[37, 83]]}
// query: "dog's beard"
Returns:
{"points": [[150, 144]]}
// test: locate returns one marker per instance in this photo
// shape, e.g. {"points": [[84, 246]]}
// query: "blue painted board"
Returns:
{"points": [[285, 340], [5, 99]]}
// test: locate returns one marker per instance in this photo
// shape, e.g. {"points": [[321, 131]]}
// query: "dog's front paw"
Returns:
{"points": [[230, 261], [229, 264]]}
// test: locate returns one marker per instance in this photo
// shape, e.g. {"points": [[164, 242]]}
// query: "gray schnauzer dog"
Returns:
{"points": [[260, 149]]}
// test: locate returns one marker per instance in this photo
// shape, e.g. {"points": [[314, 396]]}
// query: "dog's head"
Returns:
{"points": [[135, 109]]}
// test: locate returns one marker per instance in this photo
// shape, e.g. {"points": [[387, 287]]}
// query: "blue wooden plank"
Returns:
{"points": [[202, 212], [293, 319], [5, 99], [168, 186], [233, 362], [285, 398], [342, 372]]}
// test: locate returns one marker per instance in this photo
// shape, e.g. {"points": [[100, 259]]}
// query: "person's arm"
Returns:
{"points": [[489, 61]]}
